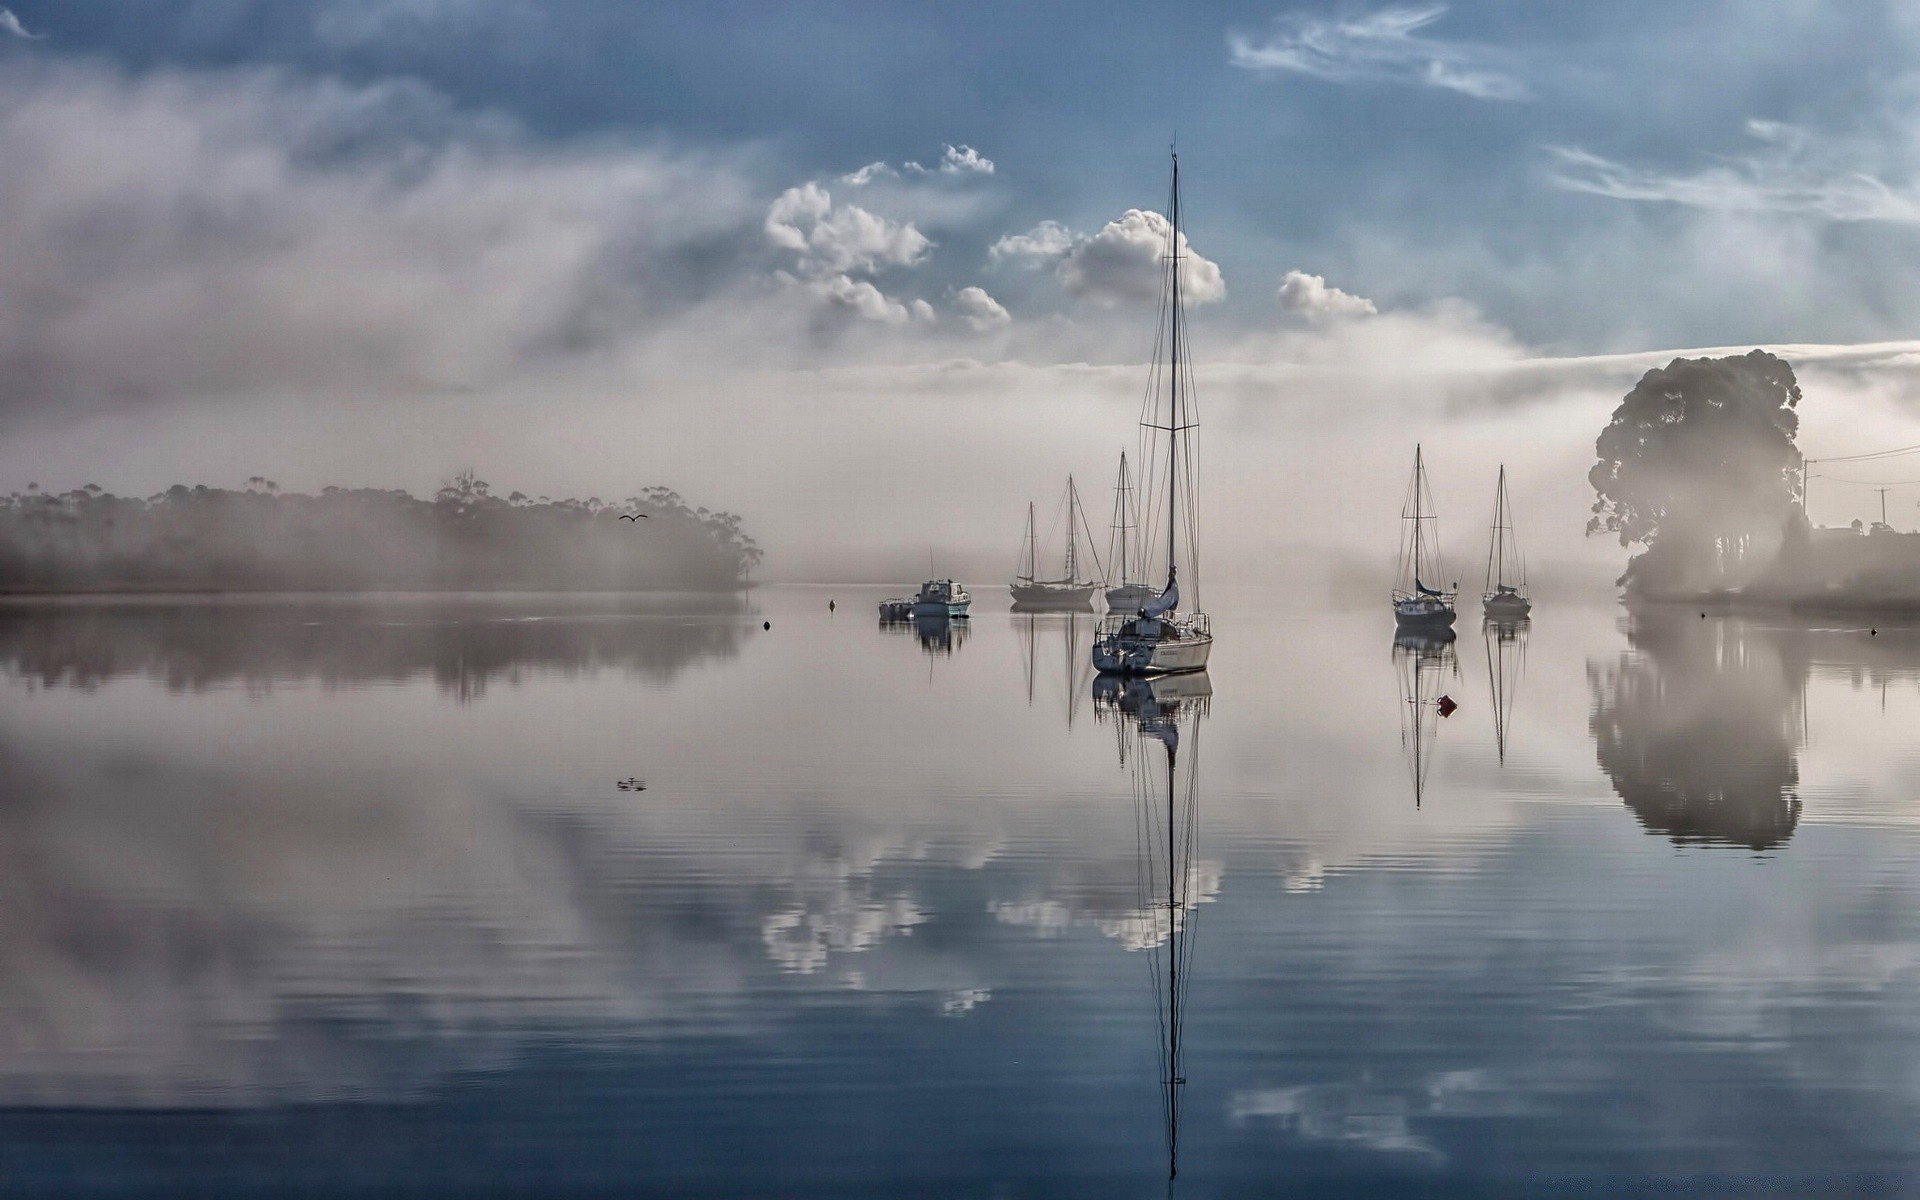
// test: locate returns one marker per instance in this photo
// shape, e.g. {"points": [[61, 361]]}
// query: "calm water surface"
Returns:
{"points": [[336, 897]]}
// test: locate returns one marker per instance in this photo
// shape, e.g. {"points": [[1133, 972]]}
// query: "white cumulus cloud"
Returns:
{"points": [[829, 238], [1309, 296], [1044, 243], [965, 160], [979, 309], [1387, 46], [1124, 261]]}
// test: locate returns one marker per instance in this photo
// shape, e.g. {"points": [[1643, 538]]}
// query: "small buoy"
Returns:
{"points": [[1873, 633], [829, 606], [766, 624], [1703, 616]]}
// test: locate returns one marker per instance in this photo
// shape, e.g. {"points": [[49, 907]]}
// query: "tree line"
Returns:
{"points": [[465, 537]]}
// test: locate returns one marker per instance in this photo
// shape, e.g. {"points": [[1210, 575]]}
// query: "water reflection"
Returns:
{"points": [[1162, 717], [1506, 646], [1699, 725], [938, 634], [1072, 633], [462, 642], [1425, 661]]}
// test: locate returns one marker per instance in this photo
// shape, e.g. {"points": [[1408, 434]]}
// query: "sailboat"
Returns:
{"points": [[1415, 603], [1127, 595], [1506, 570], [1069, 592], [1159, 638]]}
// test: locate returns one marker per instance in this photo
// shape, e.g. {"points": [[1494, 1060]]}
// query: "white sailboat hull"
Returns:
{"points": [[1127, 652]]}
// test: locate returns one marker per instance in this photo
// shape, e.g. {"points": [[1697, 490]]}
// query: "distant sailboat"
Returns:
{"points": [[1416, 603], [1506, 569], [1160, 639], [1067, 593], [1128, 595]]}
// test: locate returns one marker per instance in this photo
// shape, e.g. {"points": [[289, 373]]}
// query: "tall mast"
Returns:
{"points": [[1073, 511], [1124, 491], [1419, 511], [1496, 556], [1173, 374], [1032, 547]]}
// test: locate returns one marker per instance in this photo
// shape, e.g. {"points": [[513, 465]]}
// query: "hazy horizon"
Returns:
{"points": [[797, 269]]}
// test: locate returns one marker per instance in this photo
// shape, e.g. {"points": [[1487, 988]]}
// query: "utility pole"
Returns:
{"points": [[1883, 504]]}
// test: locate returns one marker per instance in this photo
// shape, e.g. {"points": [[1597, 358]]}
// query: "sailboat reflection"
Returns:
{"points": [[1075, 630], [1163, 717], [1506, 643], [1424, 659], [938, 634]]}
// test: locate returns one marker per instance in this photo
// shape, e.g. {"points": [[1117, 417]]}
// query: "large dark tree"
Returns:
{"points": [[1699, 465]]}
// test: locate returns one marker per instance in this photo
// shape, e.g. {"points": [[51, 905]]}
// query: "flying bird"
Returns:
{"points": [[641, 517]]}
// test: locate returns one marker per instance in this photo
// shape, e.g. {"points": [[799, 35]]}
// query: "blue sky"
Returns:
{"points": [[1333, 143], [520, 234]]}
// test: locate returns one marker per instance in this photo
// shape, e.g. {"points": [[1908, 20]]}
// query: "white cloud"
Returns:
{"points": [[860, 298], [954, 160], [835, 239], [965, 160], [1124, 262], [1386, 46], [979, 309], [10, 24], [1775, 179], [867, 174], [1309, 296], [1044, 243]]}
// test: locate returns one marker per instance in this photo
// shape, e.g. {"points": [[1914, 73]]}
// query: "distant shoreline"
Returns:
{"points": [[18, 595]]}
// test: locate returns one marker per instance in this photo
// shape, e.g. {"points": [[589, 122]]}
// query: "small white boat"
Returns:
{"points": [[941, 598], [1506, 569], [1415, 604], [1160, 639]]}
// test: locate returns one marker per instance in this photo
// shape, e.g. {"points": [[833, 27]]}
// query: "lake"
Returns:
{"points": [[340, 896]]}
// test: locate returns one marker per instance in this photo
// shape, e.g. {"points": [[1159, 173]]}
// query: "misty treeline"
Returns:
{"points": [[262, 539]]}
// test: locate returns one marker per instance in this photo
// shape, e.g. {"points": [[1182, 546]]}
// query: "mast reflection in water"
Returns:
{"points": [[1075, 667], [1424, 658], [1163, 717], [1506, 644]]}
